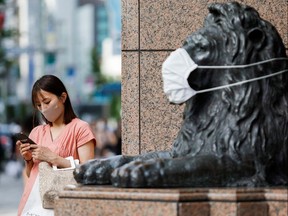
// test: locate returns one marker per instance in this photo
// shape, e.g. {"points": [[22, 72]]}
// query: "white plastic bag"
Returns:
{"points": [[33, 206]]}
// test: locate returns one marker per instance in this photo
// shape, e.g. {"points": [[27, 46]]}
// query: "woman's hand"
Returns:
{"points": [[42, 153], [25, 150], [45, 154]]}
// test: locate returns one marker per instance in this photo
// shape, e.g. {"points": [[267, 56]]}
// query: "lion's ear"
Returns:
{"points": [[257, 37]]}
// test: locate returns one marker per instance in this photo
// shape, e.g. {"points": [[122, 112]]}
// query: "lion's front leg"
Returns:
{"points": [[199, 171], [159, 172], [98, 171]]}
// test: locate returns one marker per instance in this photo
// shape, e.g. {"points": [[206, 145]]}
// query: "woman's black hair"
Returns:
{"points": [[54, 85]]}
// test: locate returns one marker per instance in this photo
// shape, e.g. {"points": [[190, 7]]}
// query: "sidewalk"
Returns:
{"points": [[11, 188]]}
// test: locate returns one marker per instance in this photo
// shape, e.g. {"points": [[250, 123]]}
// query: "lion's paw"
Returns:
{"points": [[97, 172], [139, 174]]}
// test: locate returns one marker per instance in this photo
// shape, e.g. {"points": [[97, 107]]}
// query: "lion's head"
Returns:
{"points": [[248, 122]]}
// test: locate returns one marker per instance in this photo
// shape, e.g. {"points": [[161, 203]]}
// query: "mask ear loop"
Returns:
{"points": [[242, 66], [241, 82]]}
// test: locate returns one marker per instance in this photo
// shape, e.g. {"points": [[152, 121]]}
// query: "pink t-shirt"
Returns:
{"points": [[74, 135]]}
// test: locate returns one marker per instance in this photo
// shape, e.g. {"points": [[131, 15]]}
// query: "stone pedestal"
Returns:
{"points": [[108, 200]]}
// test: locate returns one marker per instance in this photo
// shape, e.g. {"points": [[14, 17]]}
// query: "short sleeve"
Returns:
{"points": [[84, 134]]}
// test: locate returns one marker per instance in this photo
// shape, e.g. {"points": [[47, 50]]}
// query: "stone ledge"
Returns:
{"points": [[108, 200]]}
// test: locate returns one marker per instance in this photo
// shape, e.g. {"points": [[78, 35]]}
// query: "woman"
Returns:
{"points": [[62, 135]]}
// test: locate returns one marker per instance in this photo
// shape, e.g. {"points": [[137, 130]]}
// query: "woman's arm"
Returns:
{"points": [[25, 151], [45, 154], [86, 152], [28, 167]]}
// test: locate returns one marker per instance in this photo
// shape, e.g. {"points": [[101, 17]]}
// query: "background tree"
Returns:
{"points": [[100, 79]]}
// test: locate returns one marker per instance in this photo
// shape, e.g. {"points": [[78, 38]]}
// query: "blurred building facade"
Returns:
{"points": [[57, 37]]}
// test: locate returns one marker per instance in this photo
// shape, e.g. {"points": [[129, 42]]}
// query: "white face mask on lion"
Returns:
{"points": [[178, 66]]}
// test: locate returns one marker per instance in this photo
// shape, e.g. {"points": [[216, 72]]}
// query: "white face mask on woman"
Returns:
{"points": [[178, 66], [53, 111]]}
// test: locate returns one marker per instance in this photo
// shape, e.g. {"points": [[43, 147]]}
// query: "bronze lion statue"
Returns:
{"points": [[236, 135]]}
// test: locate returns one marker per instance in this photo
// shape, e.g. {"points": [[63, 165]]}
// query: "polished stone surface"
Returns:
{"points": [[154, 25], [164, 25], [130, 24], [107, 200], [159, 121], [130, 105]]}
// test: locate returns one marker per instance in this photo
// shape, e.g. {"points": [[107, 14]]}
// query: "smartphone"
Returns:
{"points": [[23, 138]]}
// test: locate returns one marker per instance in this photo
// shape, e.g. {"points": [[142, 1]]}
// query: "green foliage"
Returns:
{"points": [[100, 79], [8, 33], [115, 106]]}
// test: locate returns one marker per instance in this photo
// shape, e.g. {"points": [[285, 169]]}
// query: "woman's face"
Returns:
{"points": [[50, 105]]}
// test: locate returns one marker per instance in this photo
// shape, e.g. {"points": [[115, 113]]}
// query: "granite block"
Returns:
{"points": [[194, 209], [130, 103], [115, 207], [130, 27], [277, 208], [252, 209], [223, 208], [165, 25], [159, 120], [107, 200]]}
